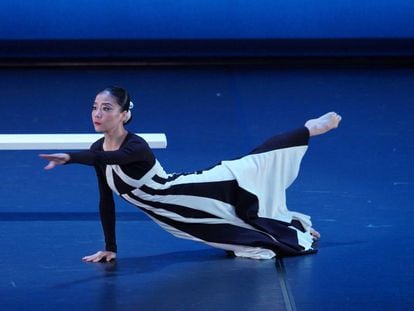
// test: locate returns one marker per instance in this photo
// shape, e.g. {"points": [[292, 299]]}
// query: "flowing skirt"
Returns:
{"points": [[238, 205]]}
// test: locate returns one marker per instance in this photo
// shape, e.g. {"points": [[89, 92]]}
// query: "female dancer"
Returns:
{"points": [[237, 205]]}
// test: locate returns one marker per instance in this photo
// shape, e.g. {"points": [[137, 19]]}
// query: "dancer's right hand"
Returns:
{"points": [[55, 159], [100, 256]]}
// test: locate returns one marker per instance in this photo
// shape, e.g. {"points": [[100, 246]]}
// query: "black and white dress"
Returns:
{"points": [[238, 205]]}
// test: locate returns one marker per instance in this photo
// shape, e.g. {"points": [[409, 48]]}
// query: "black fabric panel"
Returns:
{"points": [[247, 205], [295, 138], [247, 209], [297, 224], [121, 186], [277, 229], [163, 181], [224, 191], [184, 211]]}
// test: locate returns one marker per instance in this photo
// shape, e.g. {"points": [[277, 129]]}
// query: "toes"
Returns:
{"points": [[315, 234], [323, 124]]}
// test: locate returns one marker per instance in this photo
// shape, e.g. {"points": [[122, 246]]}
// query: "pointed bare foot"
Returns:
{"points": [[315, 234], [323, 124]]}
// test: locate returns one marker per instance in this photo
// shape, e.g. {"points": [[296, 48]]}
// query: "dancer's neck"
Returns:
{"points": [[113, 139]]}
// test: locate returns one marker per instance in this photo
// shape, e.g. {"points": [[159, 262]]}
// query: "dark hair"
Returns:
{"points": [[122, 97]]}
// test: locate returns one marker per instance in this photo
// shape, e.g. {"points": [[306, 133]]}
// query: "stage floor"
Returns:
{"points": [[356, 183]]}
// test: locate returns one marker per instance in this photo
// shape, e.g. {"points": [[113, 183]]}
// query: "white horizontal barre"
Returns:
{"points": [[66, 141]]}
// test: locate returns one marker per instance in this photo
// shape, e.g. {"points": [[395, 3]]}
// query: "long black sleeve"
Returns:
{"points": [[132, 151], [106, 211]]}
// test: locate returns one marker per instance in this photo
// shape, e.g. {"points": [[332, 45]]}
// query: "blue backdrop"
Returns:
{"points": [[214, 19], [129, 28]]}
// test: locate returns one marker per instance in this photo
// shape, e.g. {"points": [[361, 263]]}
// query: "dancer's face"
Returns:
{"points": [[106, 113]]}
